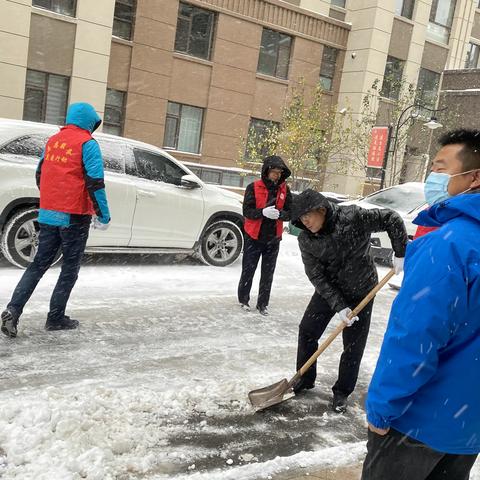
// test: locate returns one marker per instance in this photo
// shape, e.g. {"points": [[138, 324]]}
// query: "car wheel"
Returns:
{"points": [[221, 243], [19, 242]]}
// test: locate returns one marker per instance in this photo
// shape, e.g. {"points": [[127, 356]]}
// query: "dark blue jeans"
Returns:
{"points": [[71, 240]]}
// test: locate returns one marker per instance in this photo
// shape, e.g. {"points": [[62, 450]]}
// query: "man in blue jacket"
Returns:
{"points": [[424, 397], [72, 190]]}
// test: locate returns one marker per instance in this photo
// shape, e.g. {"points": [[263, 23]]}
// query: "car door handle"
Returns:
{"points": [[146, 193]]}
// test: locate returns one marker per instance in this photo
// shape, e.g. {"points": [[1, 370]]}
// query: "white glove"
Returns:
{"points": [[98, 225], [398, 264], [271, 212], [343, 316]]}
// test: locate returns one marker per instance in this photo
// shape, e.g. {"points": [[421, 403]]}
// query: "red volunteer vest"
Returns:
{"points": [[252, 227], [62, 182]]}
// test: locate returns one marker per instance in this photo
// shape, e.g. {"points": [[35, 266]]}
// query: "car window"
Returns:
{"points": [[28, 145], [113, 153], [154, 166], [403, 198]]}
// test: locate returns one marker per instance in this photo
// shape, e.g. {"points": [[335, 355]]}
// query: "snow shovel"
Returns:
{"points": [[265, 397]]}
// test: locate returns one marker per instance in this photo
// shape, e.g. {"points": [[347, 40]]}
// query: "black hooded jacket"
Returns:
{"points": [[250, 210], [337, 259]]}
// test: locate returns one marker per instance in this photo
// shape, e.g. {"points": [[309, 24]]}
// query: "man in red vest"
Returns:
{"points": [[72, 190], [265, 207]]}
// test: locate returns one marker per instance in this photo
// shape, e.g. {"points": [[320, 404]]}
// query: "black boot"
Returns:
{"points": [[339, 403], [9, 322], [262, 310], [302, 385], [66, 323]]}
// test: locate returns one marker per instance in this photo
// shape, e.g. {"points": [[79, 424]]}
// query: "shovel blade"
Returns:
{"points": [[265, 397]]}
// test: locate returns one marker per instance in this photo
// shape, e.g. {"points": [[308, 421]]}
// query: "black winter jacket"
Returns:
{"points": [[337, 258], [250, 210]]}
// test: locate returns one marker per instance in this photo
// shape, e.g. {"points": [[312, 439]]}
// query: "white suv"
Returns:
{"points": [[157, 205]]}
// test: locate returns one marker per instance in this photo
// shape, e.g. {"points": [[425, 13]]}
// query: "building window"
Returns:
{"points": [[123, 18], [472, 56], [404, 8], [114, 112], [441, 18], [327, 68], [45, 97], [194, 31], [64, 7], [274, 54], [212, 176], [183, 127], [258, 142], [427, 89], [392, 80], [338, 3]]}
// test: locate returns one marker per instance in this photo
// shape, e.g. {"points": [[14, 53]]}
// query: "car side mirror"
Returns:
{"points": [[189, 181]]}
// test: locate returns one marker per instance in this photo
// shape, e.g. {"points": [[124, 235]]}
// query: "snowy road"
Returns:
{"points": [[154, 384]]}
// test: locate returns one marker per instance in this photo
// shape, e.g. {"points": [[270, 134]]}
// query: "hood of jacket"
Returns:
{"points": [[311, 200], [466, 204], [83, 115], [274, 161]]}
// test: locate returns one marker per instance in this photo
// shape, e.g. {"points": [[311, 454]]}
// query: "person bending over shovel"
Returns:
{"points": [[335, 245]]}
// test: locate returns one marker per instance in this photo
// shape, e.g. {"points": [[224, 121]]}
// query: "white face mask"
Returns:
{"points": [[436, 186]]}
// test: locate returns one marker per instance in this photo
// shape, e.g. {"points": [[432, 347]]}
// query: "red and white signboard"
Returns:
{"points": [[378, 145]]}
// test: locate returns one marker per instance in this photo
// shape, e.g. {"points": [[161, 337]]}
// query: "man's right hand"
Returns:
{"points": [[344, 317], [271, 212], [98, 225]]}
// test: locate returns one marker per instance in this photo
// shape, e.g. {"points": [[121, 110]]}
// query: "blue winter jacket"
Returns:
{"points": [[82, 115], [427, 380]]}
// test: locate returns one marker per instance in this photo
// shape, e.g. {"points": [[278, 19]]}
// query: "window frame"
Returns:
{"points": [[114, 107], [178, 120], [332, 2], [469, 56], [121, 20], [390, 84], [326, 63], [251, 126], [445, 28], [189, 19], [406, 10], [50, 9], [279, 38], [45, 94], [421, 99]]}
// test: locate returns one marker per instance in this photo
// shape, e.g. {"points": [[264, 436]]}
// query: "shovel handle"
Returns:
{"points": [[341, 326]]}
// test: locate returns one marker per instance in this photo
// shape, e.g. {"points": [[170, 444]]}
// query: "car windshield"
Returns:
{"points": [[402, 198]]}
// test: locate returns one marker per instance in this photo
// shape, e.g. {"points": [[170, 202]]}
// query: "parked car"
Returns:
{"points": [[157, 204], [407, 199]]}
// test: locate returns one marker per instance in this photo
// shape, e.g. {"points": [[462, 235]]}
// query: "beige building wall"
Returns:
{"points": [[91, 52], [227, 86], [14, 41], [365, 58], [461, 32]]}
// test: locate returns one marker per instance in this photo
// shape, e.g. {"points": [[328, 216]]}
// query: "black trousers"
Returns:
{"points": [[314, 322], [72, 241], [396, 456], [252, 252]]}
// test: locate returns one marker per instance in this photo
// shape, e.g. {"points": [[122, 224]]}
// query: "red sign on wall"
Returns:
{"points": [[378, 144]]}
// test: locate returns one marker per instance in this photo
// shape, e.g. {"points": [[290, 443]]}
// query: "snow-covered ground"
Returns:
{"points": [[154, 384]]}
